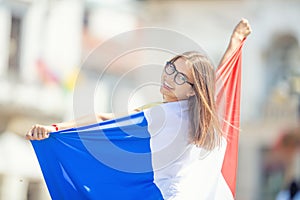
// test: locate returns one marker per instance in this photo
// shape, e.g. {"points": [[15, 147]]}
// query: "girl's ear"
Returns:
{"points": [[190, 93]]}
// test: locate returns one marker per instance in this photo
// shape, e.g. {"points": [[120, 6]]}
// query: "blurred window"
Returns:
{"points": [[14, 47]]}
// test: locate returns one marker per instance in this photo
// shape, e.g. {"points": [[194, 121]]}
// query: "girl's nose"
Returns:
{"points": [[169, 75], [169, 78]]}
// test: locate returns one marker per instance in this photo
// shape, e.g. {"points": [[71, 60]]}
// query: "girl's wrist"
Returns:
{"points": [[235, 40], [55, 126], [236, 37]]}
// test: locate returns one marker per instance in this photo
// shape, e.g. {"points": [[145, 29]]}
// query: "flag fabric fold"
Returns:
{"points": [[228, 102], [146, 155]]}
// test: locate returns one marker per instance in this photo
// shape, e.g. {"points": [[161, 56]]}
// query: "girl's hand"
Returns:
{"points": [[39, 132], [242, 30]]}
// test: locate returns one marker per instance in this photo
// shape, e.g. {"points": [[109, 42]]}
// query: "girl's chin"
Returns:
{"points": [[164, 91], [167, 95]]}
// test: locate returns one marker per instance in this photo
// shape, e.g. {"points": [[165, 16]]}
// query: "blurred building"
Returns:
{"points": [[45, 43], [40, 46]]}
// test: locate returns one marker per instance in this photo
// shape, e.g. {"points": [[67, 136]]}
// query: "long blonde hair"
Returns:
{"points": [[205, 128]]}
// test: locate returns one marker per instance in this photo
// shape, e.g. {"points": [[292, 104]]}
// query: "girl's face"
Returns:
{"points": [[176, 81]]}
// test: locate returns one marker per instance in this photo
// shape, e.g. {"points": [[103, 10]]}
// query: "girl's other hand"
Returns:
{"points": [[39, 132]]}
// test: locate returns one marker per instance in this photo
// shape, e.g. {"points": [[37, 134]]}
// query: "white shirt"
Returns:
{"points": [[181, 169]]}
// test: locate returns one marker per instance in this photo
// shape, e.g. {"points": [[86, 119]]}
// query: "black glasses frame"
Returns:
{"points": [[177, 73]]}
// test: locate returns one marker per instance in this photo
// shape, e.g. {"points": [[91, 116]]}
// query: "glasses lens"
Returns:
{"points": [[180, 79], [169, 68]]}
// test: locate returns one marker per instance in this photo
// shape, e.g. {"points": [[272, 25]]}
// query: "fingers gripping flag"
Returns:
{"points": [[147, 155]]}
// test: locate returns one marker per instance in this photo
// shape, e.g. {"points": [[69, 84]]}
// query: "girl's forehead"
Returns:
{"points": [[182, 64]]}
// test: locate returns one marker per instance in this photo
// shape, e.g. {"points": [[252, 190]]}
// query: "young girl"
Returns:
{"points": [[190, 128]]}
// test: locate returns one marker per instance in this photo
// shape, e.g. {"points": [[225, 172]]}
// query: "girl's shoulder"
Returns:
{"points": [[147, 106], [182, 105]]}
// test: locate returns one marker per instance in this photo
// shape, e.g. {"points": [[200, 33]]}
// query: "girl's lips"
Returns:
{"points": [[167, 86]]}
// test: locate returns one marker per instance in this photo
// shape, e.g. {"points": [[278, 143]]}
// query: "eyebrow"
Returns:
{"points": [[172, 61]]}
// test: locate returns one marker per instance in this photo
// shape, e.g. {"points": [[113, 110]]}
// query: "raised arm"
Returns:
{"points": [[241, 31]]}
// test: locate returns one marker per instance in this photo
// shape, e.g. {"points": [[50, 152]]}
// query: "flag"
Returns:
{"points": [[228, 102], [146, 155]]}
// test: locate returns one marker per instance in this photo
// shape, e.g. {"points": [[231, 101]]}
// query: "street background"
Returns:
{"points": [[44, 43]]}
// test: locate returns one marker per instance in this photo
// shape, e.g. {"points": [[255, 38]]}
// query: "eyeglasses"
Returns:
{"points": [[179, 77]]}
